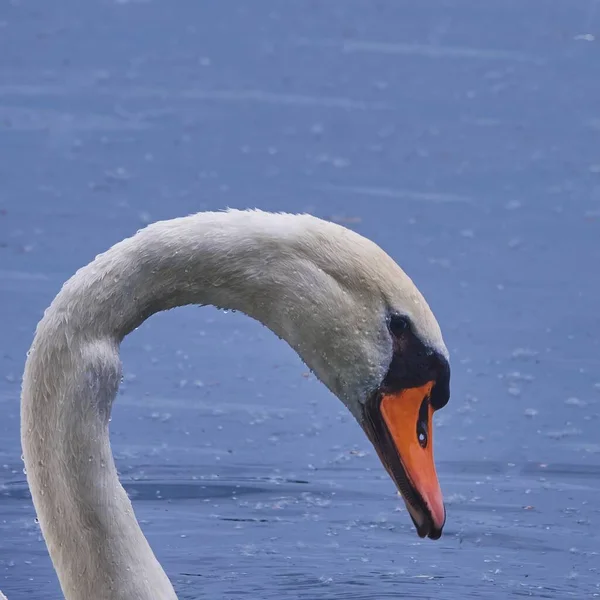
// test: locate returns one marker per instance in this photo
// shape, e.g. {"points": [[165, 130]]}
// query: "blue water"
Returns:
{"points": [[462, 136]]}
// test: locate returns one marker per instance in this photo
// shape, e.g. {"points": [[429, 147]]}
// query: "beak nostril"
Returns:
{"points": [[423, 423]]}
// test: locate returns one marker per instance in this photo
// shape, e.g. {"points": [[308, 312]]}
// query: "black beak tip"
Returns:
{"points": [[427, 529]]}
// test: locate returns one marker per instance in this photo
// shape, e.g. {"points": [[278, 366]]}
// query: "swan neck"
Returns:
{"points": [[72, 375]]}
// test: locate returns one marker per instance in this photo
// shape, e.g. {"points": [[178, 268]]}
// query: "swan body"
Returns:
{"points": [[351, 313]]}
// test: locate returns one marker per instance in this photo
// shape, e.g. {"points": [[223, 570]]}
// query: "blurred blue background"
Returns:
{"points": [[462, 136]]}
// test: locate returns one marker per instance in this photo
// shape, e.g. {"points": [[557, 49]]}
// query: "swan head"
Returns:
{"points": [[363, 327], [397, 416]]}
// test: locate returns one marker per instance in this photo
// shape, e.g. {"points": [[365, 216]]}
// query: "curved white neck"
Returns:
{"points": [[73, 372]]}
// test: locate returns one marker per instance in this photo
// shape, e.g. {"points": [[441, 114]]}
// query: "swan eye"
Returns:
{"points": [[399, 324]]}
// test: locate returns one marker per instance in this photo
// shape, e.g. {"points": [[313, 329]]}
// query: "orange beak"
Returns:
{"points": [[403, 439]]}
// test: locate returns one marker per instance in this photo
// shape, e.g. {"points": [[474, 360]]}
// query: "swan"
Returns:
{"points": [[350, 312]]}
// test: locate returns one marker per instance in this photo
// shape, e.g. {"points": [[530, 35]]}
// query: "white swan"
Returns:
{"points": [[344, 305]]}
